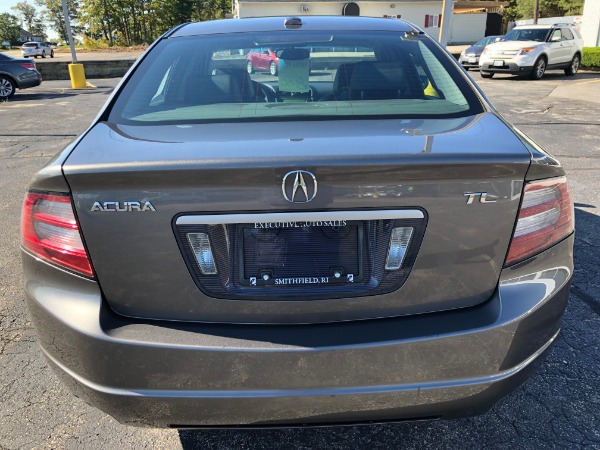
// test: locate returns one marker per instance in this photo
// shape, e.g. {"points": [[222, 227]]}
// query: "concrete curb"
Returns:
{"points": [[93, 69]]}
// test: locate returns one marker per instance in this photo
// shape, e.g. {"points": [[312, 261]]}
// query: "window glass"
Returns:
{"points": [[555, 35], [567, 35], [317, 76], [527, 34]]}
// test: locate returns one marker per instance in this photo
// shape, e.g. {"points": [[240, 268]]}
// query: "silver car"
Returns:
{"points": [[358, 238], [469, 57], [35, 49]]}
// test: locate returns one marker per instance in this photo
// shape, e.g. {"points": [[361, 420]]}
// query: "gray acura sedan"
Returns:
{"points": [[360, 237]]}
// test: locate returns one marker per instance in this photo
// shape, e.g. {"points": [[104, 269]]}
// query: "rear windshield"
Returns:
{"points": [[291, 76], [31, 44]]}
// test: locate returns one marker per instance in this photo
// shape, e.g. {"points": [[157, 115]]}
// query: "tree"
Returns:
{"points": [[54, 14], [510, 14], [26, 12], [38, 28], [9, 28], [142, 21], [550, 8], [31, 19]]}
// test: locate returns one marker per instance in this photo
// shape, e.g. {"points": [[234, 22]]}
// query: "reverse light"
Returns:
{"points": [[203, 252], [399, 242], [545, 218], [49, 230], [526, 50]]}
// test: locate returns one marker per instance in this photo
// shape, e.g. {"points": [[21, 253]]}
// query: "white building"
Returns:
{"points": [[469, 21], [590, 29]]}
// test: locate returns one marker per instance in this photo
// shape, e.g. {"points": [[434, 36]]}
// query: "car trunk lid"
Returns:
{"points": [[455, 182]]}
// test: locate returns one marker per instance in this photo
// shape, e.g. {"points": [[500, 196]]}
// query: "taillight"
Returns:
{"points": [[50, 231], [545, 218], [28, 65]]}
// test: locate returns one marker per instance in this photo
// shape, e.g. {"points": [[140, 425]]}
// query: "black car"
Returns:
{"points": [[17, 73]]}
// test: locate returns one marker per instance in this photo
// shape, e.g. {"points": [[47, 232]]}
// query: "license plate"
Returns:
{"points": [[294, 253], [498, 63], [472, 60]]}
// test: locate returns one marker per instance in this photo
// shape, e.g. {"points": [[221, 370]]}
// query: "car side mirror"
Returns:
{"points": [[555, 39]]}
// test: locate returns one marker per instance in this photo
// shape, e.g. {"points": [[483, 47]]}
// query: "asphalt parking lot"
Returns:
{"points": [[558, 408]]}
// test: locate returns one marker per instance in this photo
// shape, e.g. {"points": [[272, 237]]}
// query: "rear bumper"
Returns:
{"points": [[445, 364], [464, 61], [29, 79]]}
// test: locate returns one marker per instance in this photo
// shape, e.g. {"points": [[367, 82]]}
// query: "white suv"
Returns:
{"points": [[36, 49], [530, 50]]}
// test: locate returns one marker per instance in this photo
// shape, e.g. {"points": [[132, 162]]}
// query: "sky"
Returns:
{"points": [[5, 6]]}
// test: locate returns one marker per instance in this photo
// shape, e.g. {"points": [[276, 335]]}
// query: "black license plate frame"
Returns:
{"points": [[296, 280]]}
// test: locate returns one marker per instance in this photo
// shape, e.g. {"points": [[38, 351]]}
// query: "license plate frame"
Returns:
{"points": [[296, 280], [498, 63]]}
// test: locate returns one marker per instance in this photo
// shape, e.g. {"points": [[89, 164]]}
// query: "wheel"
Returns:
{"points": [[51, 53], [573, 67], [273, 68], [486, 74], [538, 69], [249, 67], [43, 54], [7, 88]]}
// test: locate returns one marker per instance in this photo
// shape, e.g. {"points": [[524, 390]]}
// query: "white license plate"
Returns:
{"points": [[498, 63], [472, 60]]}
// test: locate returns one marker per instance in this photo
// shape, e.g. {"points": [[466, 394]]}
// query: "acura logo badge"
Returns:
{"points": [[299, 186]]}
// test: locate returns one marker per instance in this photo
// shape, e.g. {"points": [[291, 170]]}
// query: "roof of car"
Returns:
{"points": [[309, 23], [544, 26]]}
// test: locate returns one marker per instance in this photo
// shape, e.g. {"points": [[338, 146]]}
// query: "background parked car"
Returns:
{"points": [[262, 59], [532, 49], [36, 49], [16, 73], [469, 58]]}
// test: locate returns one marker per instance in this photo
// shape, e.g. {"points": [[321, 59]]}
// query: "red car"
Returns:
{"points": [[259, 59]]}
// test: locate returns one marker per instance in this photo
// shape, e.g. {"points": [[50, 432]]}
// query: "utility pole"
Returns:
{"points": [[76, 71], [536, 11], [447, 6], [69, 34]]}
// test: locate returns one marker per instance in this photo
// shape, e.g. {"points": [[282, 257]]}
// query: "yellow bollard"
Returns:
{"points": [[77, 75]]}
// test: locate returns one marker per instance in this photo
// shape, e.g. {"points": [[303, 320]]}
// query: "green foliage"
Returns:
{"points": [[550, 8], [132, 22], [95, 44], [26, 12], [30, 18], [511, 14], [54, 14], [9, 27], [591, 57]]}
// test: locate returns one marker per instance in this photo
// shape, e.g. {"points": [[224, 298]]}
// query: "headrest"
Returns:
{"points": [[295, 53], [387, 75]]}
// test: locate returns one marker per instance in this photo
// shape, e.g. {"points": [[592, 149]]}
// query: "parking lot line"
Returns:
{"points": [[590, 81]]}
